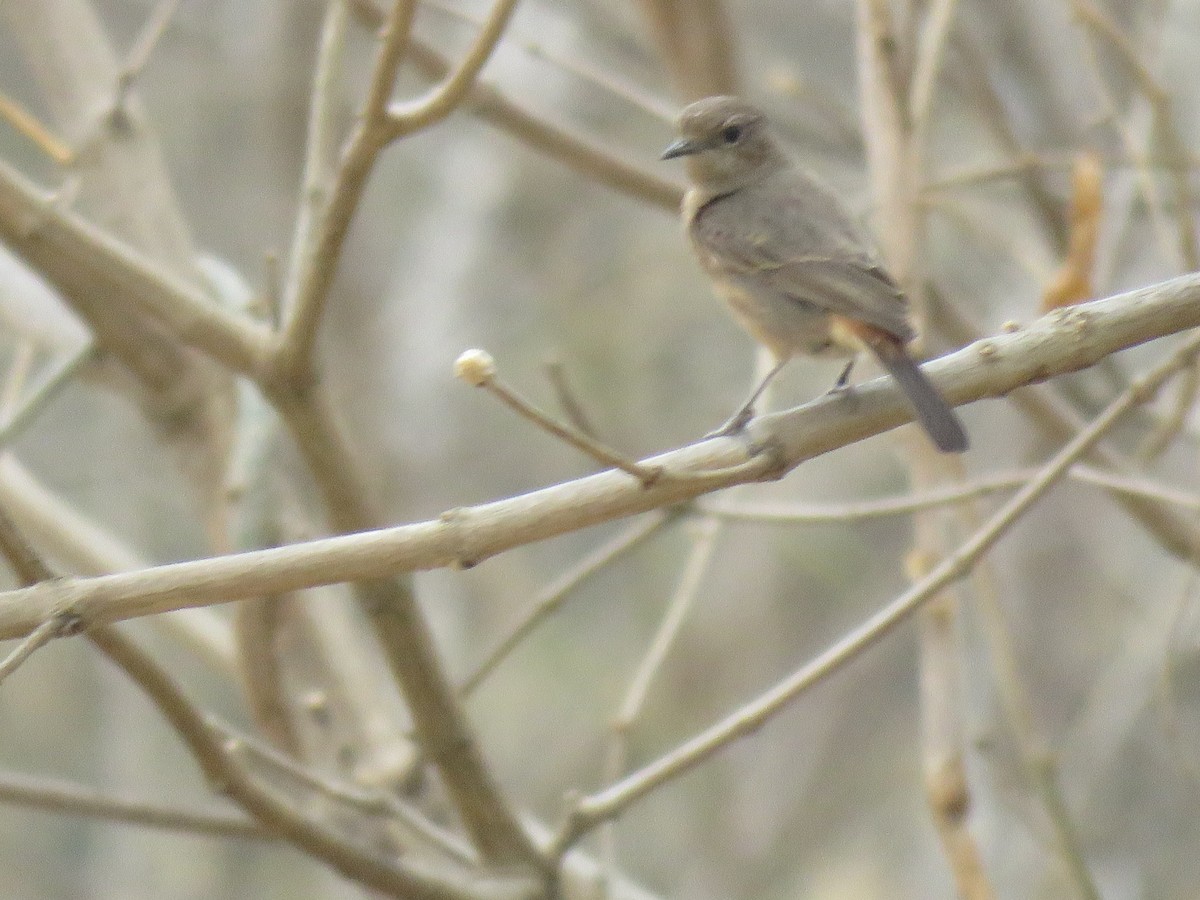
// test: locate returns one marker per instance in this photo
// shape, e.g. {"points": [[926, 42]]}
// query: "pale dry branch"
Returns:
{"points": [[897, 104], [256, 628], [704, 542], [82, 259], [62, 533], [568, 401], [965, 492], [986, 101], [444, 733], [609, 82], [703, 534], [931, 51], [119, 184], [412, 116], [1179, 535], [26, 412], [1063, 341], [1016, 702], [578, 152], [1089, 15], [320, 154], [321, 232], [364, 801], [81, 800], [143, 45], [219, 765]]}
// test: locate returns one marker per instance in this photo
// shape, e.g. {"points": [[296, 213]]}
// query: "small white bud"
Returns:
{"points": [[476, 367]]}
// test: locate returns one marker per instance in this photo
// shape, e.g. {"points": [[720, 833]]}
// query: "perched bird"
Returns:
{"points": [[799, 274]]}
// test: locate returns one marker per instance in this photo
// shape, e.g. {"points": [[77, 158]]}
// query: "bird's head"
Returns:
{"points": [[727, 142]]}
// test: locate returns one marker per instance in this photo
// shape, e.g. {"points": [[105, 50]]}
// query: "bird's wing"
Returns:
{"points": [[804, 247], [845, 287]]}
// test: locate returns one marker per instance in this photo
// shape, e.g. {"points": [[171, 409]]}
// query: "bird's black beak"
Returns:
{"points": [[682, 147]]}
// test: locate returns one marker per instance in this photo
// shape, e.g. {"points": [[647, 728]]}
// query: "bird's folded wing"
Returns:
{"points": [[841, 287]]}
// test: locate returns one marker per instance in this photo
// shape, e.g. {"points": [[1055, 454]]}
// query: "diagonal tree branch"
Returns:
{"points": [[1063, 341]]}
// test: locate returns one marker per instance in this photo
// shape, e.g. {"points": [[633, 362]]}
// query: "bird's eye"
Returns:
{"points": [[731, 134]]}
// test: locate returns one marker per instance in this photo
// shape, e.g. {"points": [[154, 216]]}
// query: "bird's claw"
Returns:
{"points": [[734, 426]]}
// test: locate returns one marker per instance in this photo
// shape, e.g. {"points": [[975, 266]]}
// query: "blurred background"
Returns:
{"points": [[469, 237]]}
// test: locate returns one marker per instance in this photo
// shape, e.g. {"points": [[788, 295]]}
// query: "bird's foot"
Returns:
{"points": [[843, 382], [736, 425]]}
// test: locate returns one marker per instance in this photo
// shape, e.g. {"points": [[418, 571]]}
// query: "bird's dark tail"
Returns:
{"points": [[933, 412]]}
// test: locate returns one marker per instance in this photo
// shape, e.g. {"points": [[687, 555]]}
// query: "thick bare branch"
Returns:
{"points": [[1063, 341], [84, 261]]}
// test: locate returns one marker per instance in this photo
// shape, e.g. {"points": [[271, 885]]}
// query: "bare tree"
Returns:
{"points": [[457, 644]]}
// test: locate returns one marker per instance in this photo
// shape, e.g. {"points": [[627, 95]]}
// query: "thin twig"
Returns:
{"points": [[32, 642], [704, 534], [28, 125], [552, 597], [144, 44], [81, 800], [1172, 424], [596, 808], [1090, 16], [931, 51], [320, 149], [704, 541], [17, 420], [372, 802], [479, 370], [865, 510], [556, 373], [1164, 128], [569, 63], [276, 812], [221, 767], [1179, 535], [411, 116], [444, 732]]}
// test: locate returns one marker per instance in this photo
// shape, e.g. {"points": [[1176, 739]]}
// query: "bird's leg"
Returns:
{"points": [[843, 381], [742, 417]]}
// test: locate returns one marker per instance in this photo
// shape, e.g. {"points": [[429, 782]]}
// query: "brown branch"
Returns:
{"points": [[83, 260], [442, 727], [1063, 341]]}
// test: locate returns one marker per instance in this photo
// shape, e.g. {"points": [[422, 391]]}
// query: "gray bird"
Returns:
{"points": [[796, 270]]}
